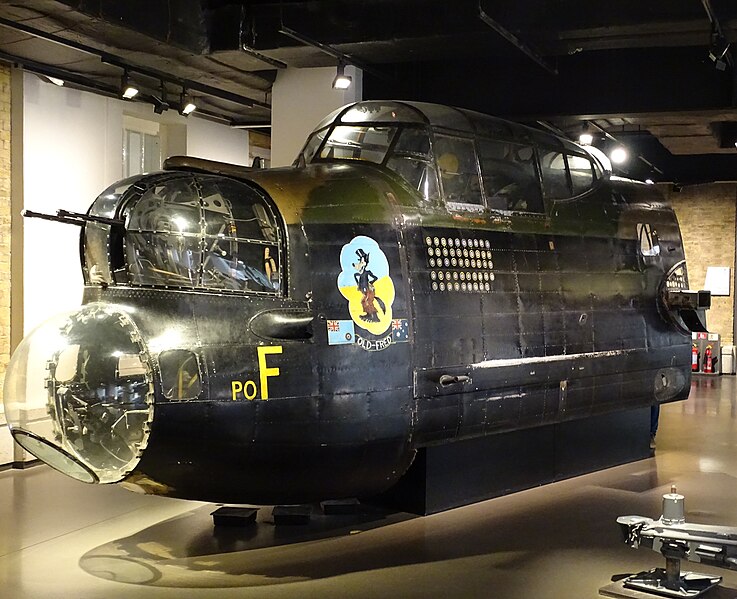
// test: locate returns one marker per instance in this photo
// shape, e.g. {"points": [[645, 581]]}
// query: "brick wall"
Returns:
{"points": [[706, 214], [4, 220]]}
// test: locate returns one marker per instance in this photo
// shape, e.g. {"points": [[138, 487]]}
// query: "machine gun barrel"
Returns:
{"points": [[686, 299], [72, 218]]}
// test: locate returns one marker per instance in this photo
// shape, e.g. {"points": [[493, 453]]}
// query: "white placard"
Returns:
{"points": [[717, 279]]}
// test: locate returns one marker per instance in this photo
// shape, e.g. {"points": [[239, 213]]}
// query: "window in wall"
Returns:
{"points": [[141, 146], [509, 176], [459, 177]]}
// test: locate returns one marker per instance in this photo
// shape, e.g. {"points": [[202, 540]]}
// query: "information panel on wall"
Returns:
{"points": [[717, 279]]}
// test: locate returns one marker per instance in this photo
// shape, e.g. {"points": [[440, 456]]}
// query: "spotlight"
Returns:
{"points": [[342, 81], [618, 155], [186, 104], [128, 89], [649, 181], [585, 139]]}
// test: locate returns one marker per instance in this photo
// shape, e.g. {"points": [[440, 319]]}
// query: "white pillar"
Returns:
{"points": [[300, 99]]}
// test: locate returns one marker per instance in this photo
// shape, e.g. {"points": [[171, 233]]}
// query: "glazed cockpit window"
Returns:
{"points": [[107, 202], [582, 173], [241, 240], [313, 144], [410, 158], [208, 233], [509, 176], [358, 143], [565, 175], [97, 236], [163, 241], [459, 174], [169, 207], [384, 112], [554, 169], [96, 262], [413, 141]]}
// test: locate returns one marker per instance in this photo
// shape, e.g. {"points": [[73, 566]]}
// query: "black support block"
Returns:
{"points": [[455, 474], [291, 514], [234, 516], [340, 507]]}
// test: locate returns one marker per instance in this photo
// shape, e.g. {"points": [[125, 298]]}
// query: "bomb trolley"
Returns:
{"points": [[676, 540]]}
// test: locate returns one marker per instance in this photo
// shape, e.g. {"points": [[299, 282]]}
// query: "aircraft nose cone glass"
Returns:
{"points": [[79, 394]]}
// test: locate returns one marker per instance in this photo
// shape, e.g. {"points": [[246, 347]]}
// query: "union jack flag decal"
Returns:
{"points": [[341, 332]]}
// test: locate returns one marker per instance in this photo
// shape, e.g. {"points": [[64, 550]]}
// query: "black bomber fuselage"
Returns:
{"points": [[376, 324]]}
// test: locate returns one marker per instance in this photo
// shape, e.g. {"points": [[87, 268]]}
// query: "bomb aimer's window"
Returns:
{"points": [[180, 374]]}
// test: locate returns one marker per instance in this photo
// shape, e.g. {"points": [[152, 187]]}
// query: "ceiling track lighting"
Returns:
{"points": [[342, 81], [718, 52], [585, 139], [128, 89], [160, 103], [186, 104]]}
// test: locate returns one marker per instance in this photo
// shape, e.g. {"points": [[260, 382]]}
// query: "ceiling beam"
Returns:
{"points": [[330, 51], [111, 59], [523, 47]]}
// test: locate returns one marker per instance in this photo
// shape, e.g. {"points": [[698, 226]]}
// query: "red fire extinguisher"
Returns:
{"points": [[708, 366], [694, 358]]}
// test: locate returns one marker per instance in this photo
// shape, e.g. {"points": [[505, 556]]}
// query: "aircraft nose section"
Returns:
{"points": [[79, 393]]}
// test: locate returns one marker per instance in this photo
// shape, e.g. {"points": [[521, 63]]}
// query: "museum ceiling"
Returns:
{"points": [[658, 76]]}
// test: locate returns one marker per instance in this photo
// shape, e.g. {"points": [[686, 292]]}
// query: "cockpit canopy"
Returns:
{"points": [[466, 159], [178, 230]]}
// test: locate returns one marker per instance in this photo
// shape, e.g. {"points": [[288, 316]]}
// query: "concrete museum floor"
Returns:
{"points": [[60, 538]]}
